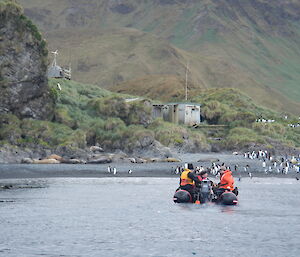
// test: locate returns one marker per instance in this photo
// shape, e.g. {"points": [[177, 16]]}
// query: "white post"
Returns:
{"points": [[186, 81], [54, 60]]}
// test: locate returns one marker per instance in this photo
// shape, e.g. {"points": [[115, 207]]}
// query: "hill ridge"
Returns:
{"points": [[231, 43]]}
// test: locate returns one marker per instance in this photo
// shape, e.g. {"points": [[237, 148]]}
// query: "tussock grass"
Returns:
{"points": [[239, 138], [230, 107], [86, 115]]}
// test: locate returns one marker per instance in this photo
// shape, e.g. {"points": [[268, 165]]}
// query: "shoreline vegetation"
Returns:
{"points": [[87, 116]]}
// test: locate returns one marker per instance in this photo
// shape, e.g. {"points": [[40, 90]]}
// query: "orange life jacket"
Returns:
{"points": [[227, 181], [184, 179]]}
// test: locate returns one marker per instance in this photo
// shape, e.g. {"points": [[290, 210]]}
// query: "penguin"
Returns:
{"points": [[240, 177], [115, 170], [109, 169], [130, 171]]}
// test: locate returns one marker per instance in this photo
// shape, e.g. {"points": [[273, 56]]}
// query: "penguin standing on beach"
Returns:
{"points": [[240, 177], [130, 171], [236, 166], [109, 169], [115, 170], [172, 170]]}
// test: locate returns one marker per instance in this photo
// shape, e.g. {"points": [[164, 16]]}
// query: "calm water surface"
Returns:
{"points": [[136, 217]]}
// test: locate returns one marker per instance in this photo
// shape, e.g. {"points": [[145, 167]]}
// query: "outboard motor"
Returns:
{"points": [[228, 198], [182, 196], [205, 191]]}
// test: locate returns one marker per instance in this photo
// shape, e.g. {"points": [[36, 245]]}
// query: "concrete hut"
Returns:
{"points": [[180, 113]]}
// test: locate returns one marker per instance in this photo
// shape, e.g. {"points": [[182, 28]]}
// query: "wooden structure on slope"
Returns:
{"points": [[55, 71]]}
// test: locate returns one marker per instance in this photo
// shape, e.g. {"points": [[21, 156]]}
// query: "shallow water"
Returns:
{"points": [[136, 217]]}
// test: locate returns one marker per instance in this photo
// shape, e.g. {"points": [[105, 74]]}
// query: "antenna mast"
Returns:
{"points": [[186, 81], [54, 60]]}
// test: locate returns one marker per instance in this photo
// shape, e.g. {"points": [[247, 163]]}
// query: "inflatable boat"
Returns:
{"points": [[183, 196], [227, 198], [204, 194]]}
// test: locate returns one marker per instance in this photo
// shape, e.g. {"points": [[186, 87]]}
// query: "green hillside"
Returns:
{"points": [[251, 45], [87, 115]]}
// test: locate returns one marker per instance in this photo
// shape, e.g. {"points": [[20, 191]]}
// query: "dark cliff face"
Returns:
{"points": [[24, 89]]}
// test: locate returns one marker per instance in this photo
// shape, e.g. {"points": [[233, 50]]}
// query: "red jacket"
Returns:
{"points": [[227, 181], [199, 177]]}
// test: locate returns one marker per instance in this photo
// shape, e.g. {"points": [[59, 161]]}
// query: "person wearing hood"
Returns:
{"points": [[226, 181]]}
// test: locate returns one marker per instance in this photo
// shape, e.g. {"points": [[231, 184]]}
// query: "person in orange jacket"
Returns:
{"points": [[226, 181]]}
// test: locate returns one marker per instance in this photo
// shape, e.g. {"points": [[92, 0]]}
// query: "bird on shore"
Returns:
{"points": [[236, 166], [297, 178], [250, 174], [115, 170], [130, 171], [58, 86], [109, 169]]}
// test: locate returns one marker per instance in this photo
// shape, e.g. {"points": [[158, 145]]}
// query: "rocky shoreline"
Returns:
{"points": [[92, 155], [148, 169]]}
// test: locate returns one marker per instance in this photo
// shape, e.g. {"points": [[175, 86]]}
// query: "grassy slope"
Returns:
{"points": [[86, 115], [247, 45], [172, 88], [231, 107], [85, 107], [105, 118], [110, 57]]}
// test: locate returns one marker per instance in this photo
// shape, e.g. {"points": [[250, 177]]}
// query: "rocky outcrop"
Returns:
{"points": [[23, 64], [15, 154], [46, 161]]}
